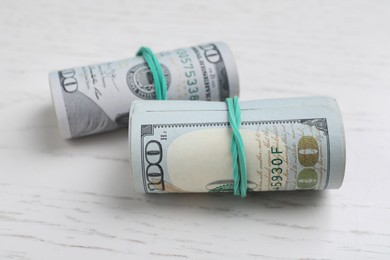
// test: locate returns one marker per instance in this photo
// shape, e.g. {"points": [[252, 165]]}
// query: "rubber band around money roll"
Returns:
{"points": [[159, 80], [237, 148]]}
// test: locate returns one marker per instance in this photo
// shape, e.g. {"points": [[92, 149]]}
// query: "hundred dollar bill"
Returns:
{"points": [[96, 98], [290, 144]]}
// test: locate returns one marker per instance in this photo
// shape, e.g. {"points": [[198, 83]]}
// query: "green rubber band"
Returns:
{"points": [[237, 148], [160, 82]]}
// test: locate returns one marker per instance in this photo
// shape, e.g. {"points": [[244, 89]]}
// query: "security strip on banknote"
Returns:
{"points": [[290, 144]]}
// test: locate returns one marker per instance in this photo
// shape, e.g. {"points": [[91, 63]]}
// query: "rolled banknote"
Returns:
{"points": [[290, 144], [96, 98]]}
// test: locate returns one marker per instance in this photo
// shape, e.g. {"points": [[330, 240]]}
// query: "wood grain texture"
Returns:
{"points": [[72, 199]]}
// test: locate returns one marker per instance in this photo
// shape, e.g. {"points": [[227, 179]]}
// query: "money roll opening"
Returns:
{"points": [[290, 144], [96, 98]]}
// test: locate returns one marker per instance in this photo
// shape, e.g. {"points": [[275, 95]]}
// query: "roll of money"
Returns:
{"points": [[96, 98], [290, 144]]}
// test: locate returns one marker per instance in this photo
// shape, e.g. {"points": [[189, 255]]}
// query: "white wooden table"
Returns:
{"points": [[72, 199]]}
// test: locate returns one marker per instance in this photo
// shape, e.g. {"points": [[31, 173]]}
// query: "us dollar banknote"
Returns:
{"points": [[290, 144], [96, 98]]}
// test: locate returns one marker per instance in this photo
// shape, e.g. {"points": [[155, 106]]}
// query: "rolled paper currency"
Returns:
{"points": [[96, 98], [290, 144]]}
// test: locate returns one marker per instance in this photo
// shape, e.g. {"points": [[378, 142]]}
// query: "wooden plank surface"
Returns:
{"points": [[72, 199]]}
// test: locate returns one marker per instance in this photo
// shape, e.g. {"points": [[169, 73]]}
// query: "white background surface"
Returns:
{"points": [[72, 199]]}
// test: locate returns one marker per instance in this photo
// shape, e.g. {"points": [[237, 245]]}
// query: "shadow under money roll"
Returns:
{"points": [[290, 144], [96, 98]]}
